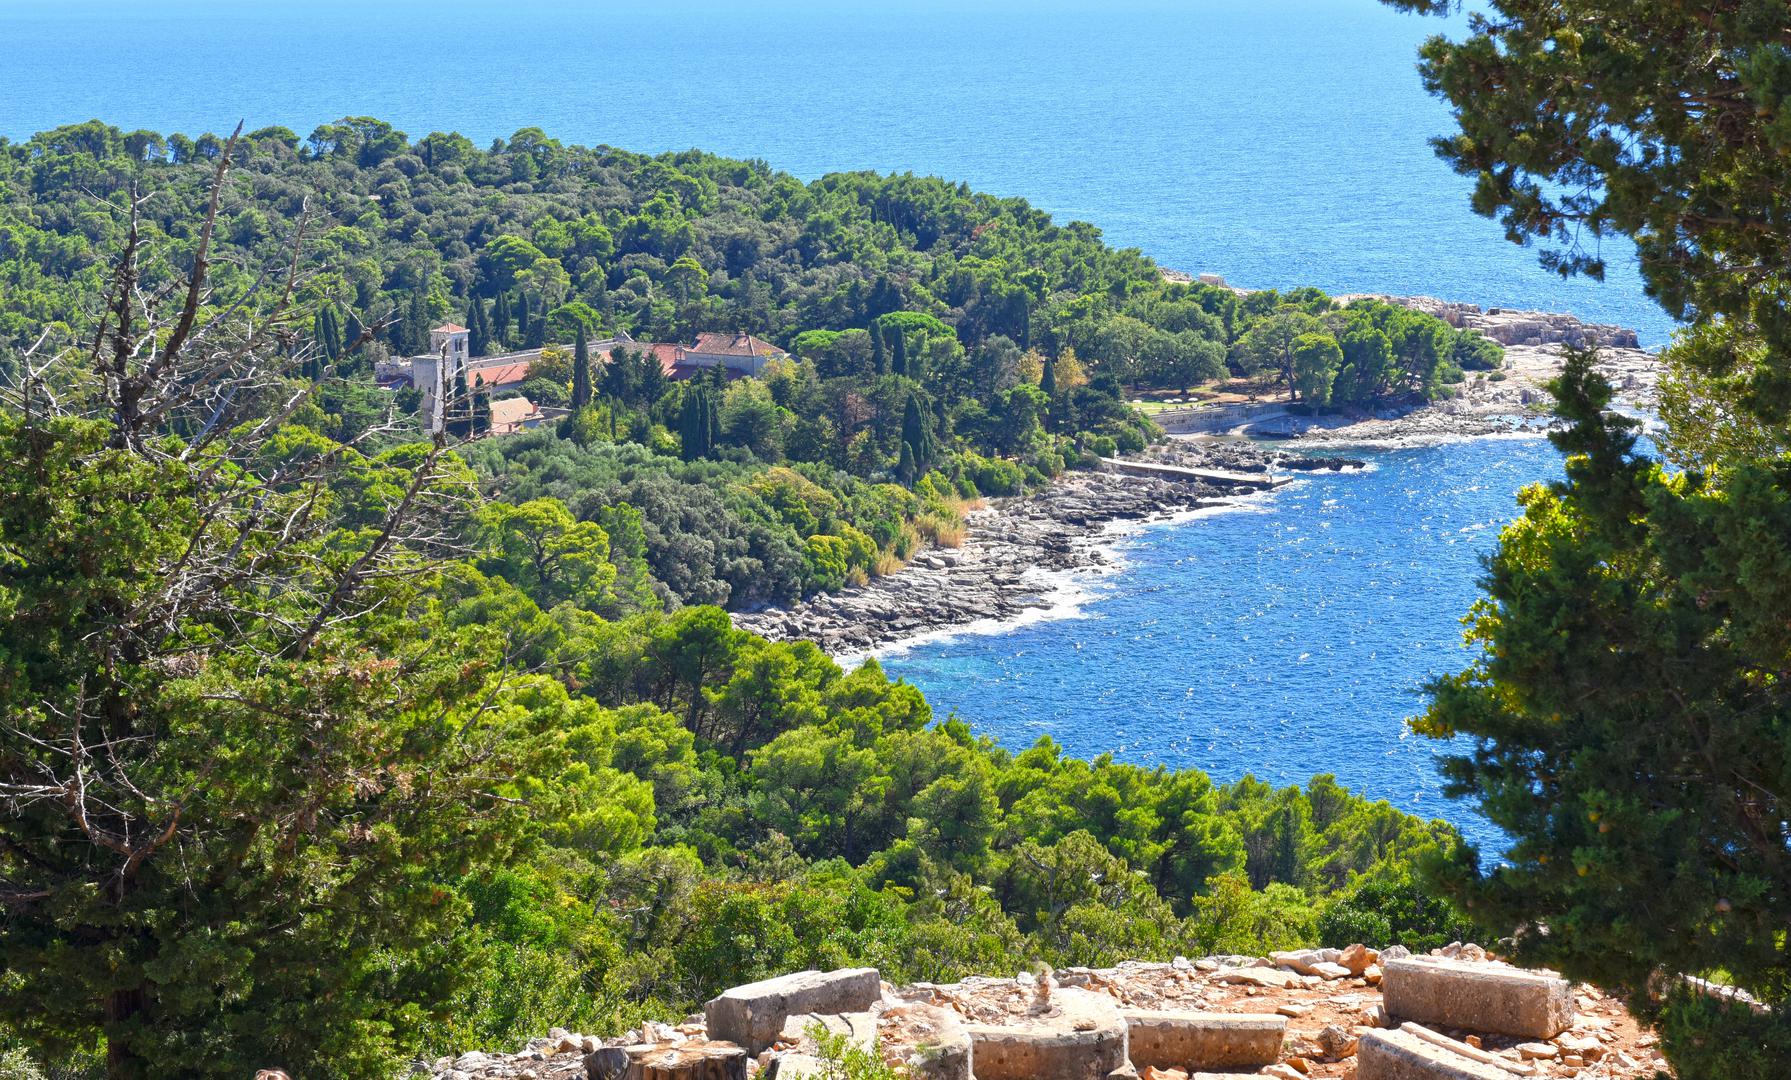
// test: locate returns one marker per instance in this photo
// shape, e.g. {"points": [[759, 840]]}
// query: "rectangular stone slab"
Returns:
{"points": [[1477, 997], [753, 1015], [1203, 1040], [1400, 1055]]}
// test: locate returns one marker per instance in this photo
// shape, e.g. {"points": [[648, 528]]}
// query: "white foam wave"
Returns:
{"points": [[1064, 594]]}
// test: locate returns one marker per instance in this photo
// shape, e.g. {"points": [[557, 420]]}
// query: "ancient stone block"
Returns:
{"points": [[753, 1015], [1477, 997], [1203, 1040], [1081, 1037], [1400, 1055]]}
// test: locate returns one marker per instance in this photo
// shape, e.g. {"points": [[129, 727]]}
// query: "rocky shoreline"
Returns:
{"points": [[1021, 554], [1024, 556]]}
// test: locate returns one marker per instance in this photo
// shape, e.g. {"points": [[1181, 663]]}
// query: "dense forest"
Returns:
{"points": [[948, 344], [332, 745]]}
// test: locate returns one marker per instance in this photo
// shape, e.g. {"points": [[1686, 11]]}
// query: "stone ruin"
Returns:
{"points": [[1348, 1014]]}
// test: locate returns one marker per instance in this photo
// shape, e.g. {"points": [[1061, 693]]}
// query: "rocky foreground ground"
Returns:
{"points": [[1328, 1014], [1018, 550]]}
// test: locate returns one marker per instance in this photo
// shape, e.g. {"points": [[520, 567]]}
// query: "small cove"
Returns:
{"points": [[1288, 636]]}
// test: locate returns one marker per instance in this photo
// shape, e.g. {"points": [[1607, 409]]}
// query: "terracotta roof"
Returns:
{"points": [[449, 328], [733, 345], [498, 374], [510, 414]]}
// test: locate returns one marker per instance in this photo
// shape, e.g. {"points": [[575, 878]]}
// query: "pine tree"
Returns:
{"points": [[879, 359], [581, 371]]}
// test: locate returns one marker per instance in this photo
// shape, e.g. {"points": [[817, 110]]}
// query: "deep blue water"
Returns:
{"points": [[1287, 638], [1279, 144]]}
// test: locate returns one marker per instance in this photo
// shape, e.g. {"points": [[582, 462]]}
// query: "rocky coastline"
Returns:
{"points": [[1024, 554]]}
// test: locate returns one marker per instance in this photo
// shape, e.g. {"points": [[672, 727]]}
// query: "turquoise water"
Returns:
{"points": [[1285, 638], [1279, 144]]}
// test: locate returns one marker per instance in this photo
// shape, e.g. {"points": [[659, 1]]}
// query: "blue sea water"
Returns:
{"points": [[1284, 638], [1279, 144]]}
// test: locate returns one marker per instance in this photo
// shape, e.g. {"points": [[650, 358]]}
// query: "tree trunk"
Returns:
{"points": [[122, 1062]]}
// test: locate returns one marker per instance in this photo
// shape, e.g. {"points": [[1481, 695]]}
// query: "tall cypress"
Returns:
{"points": [[581, 371], [478, 339], [879, 359], [416, 325], [537, 336], [457, 410], [481, 412], [352, 331], [326, 328], [898, 352], [917, 436], [500, 319], [696, 424], [522, 318]]}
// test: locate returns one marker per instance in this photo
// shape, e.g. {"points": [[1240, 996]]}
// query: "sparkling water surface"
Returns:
{"points": [[1279, 144], [1288, 637]]}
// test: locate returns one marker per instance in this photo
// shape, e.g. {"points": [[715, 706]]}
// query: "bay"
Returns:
{"points": [[1289, 636]]}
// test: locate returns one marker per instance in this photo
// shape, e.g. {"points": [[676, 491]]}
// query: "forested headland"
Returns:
{"points": [[332, 744]]}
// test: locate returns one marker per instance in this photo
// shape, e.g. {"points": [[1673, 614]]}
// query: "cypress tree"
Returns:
{"points": [[1048, 384], [581, 371], [477, 337], [326, 328], [917, 435], [481, 412], [916, 362], [500, 319], [906, 470], [457, 410], [879, 360], [523, 330], [415, 336], [898, 352], [696, 424], [352, 331], [537, 335]]}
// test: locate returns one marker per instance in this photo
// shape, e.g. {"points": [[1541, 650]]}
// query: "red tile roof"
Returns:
{"points": [[713, 344], [511, 414], [498, 374], [449, 328]]}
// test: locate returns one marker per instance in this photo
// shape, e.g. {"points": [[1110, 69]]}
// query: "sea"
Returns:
{"points": [[1278, 145]]}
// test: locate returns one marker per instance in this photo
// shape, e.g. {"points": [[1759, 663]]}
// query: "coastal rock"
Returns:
{"points": [[1020, 553]]}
